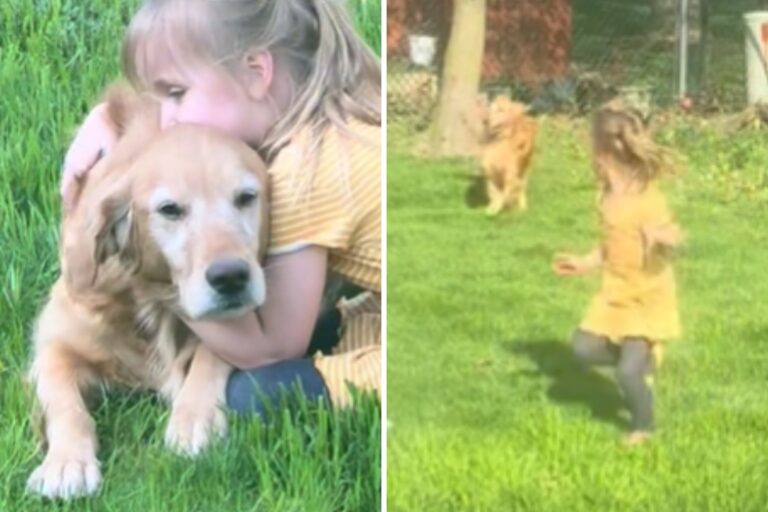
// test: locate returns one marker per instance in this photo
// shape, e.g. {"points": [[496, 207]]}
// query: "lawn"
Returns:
{"points": [[55, 56], [487, 407]]}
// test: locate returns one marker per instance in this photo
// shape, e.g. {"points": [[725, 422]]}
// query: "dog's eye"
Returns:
{"points": [[170, 210], [246, 198]]}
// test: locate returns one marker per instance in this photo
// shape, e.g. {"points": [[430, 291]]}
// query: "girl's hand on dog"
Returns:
{"points": [[95, 137]]}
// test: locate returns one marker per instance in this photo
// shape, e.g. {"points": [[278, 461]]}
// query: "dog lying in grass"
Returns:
{"points": [[167, 226], [506, 145]]}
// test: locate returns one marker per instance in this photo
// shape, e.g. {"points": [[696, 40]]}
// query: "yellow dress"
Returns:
{"points": [[638, 294], [332, 199]]}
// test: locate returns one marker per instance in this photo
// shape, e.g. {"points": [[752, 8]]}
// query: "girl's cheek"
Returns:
{"points": [[168, 114]]}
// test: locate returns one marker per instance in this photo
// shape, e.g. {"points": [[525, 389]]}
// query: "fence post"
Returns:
{"points": [[682, 44]]}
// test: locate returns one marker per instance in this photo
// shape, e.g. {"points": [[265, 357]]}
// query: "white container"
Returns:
{"points": [[757, 56], [422, 49]]}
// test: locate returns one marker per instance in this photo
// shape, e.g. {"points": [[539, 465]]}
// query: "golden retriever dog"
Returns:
{"points": [[168, 226], [506, 147]]}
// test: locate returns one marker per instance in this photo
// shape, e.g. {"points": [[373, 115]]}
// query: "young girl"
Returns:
{"points": [[294, 80], [636, 307]]}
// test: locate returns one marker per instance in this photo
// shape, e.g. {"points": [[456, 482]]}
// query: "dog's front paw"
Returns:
{"points": [[191, 428], [65, 476], [493, 210]]}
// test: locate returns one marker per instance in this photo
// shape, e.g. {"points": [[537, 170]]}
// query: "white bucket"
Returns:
{"points": [[422, 49], [757, 56]]}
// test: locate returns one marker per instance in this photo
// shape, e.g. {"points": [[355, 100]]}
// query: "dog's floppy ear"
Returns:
{"points": [[124, 106], [515, 113], [107, 230], [115, 233]]}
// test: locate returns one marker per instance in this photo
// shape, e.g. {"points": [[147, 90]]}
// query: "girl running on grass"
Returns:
{"points": [[294, 80], [636, 307]]}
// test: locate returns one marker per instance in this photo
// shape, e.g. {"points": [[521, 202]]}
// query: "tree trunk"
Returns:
{"points": [[450, 134]]}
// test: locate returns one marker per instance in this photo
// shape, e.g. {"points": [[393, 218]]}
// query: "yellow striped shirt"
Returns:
{"points": [[333, 200]]}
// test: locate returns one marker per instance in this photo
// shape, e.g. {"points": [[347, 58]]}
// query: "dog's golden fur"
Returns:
{"points": [[506, 147], [130, 271]]}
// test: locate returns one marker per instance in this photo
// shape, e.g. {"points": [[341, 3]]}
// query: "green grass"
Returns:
{"points": [[367, 17], [55, 56], [488, 408]]}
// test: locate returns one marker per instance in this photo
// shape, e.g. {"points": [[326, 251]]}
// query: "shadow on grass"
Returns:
{"points": [[475, 195], [109, 410], [475, 192], [571, 382]]}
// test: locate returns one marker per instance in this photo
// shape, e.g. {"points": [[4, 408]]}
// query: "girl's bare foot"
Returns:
{"points": [[636, 438]]}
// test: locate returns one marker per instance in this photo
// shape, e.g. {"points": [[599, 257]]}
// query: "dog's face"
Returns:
{"points": [[194, 213], [503, 113], [202, 199]]}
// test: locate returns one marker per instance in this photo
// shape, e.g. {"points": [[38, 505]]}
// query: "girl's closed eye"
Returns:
{"points": [[175, 93], [168, 90]]}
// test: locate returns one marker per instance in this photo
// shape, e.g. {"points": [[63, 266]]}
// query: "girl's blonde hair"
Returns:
{"points": [[622, 133], [335, 75]]}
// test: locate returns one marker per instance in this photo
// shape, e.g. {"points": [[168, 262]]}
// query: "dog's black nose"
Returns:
{"points": [[228, 276]]}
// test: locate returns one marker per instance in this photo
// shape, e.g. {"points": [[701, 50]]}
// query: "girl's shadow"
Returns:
{"points": [[571, 382]]}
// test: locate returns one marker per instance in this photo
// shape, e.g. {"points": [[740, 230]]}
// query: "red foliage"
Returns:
{"points": [[526, 40]]}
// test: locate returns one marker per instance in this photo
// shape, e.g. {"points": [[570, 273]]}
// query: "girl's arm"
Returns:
{"points": [[667, 235], [282, 327], [569, 265], [96, 136], [594, 258]]}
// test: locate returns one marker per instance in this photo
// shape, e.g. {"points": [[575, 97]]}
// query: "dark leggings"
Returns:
{"points": [[267, 388], [259, 390], [633, 360]]}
